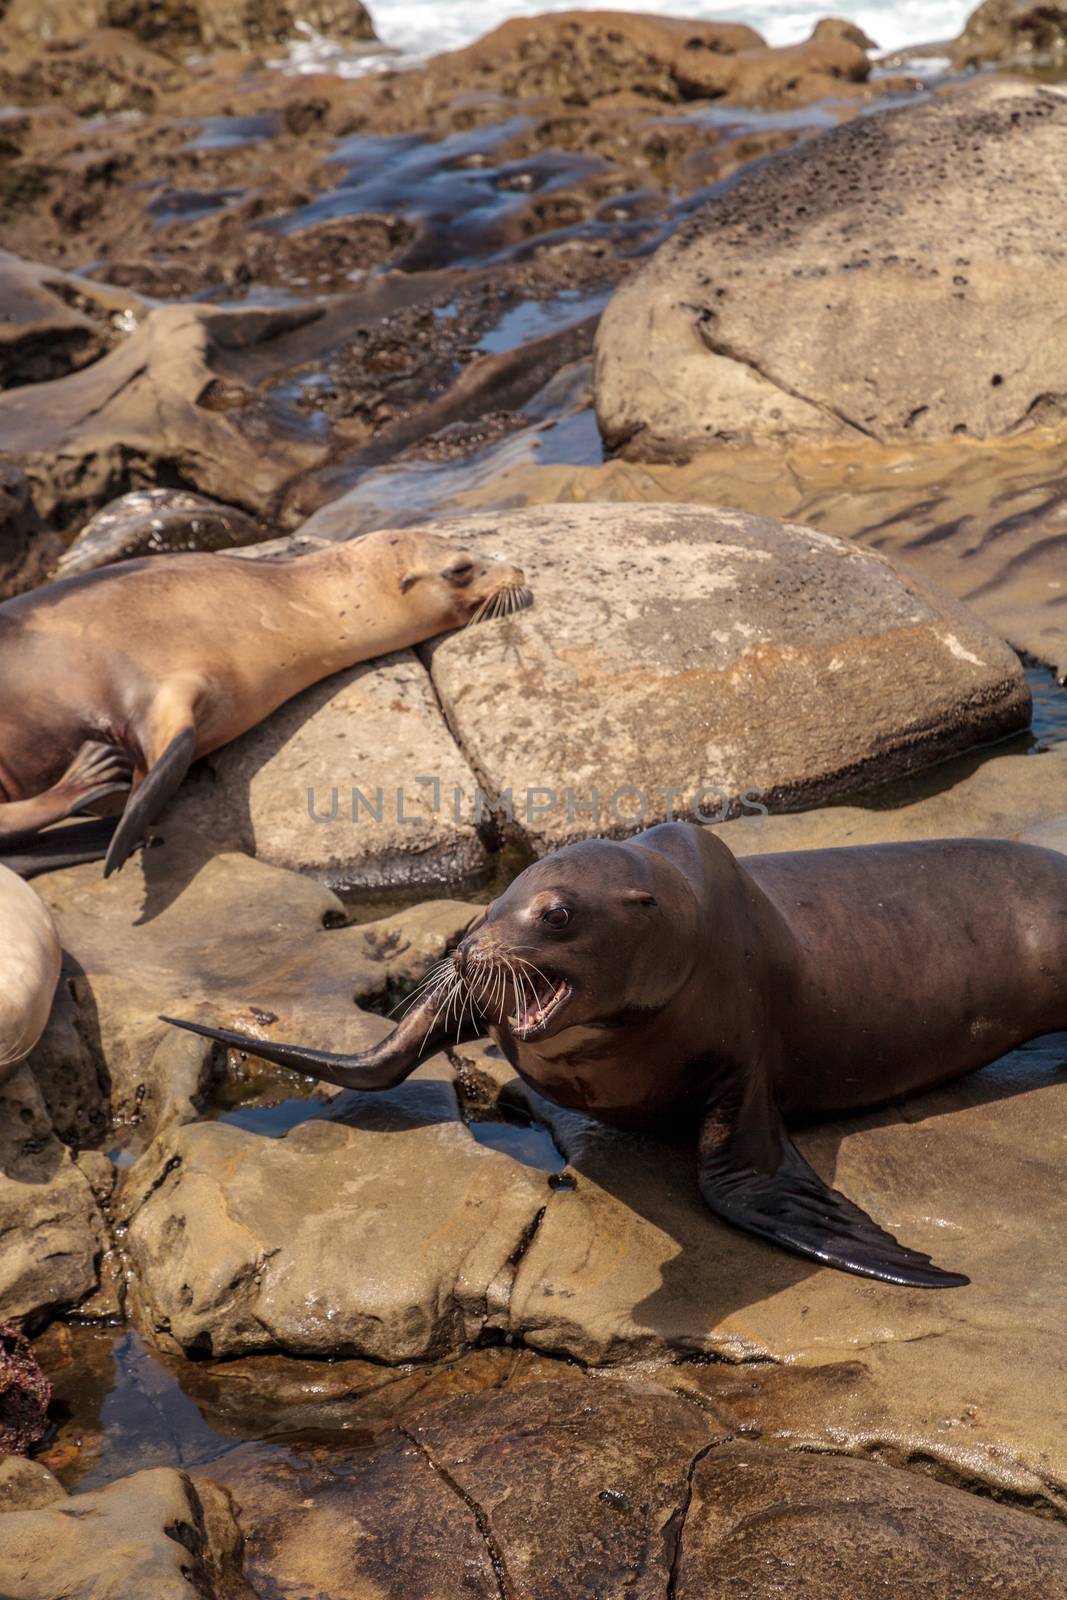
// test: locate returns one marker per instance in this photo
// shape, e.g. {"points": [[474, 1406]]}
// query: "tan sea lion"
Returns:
{"points": [[661, 983], [29, 969], [126, 675]]}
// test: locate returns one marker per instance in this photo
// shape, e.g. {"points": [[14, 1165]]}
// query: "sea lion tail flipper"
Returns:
{"points": [[792, 1206], [147, 801]]}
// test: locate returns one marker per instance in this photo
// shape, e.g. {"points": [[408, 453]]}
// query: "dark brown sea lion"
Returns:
{"points": [[126, 675], [661, 981]]}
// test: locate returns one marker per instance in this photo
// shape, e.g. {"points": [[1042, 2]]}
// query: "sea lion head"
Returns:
{"points": [[448, 584], [597, 935]]}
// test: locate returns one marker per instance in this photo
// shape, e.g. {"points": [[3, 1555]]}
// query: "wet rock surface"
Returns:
{"points": [[153, 1533], [53, 1233], [775, 312], [185, 930]]}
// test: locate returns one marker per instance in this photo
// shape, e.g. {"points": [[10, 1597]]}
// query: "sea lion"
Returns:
{"points": [[124, 676], [662, 982], [29, 972]]}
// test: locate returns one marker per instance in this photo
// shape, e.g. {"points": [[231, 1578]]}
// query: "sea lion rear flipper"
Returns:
{"points": [[70, 845], [792, 1206], [146, 802]]}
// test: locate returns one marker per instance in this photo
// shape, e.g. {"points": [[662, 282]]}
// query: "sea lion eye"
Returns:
{"points": [[556, 916], [460, 572]]}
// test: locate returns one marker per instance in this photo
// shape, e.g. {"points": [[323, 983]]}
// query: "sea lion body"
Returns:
{"points": [[661, 983], [856, 976], [142, 667], [29, 971]]}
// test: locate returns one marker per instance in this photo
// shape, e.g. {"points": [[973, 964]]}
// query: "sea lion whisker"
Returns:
{"points": [[423, 988]]}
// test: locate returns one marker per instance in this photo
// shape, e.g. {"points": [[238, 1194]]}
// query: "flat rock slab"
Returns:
{"points": [[384, 1230], [329, 785], [150, 1534], [593, 1488], [189, 933], [630, 1262], [757, 661], [763, 1521], [775, 313]]}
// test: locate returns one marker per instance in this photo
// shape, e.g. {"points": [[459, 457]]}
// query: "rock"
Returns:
{"points": [[154, 521], [226, 25], [579, 56], [761, 663], [167, 399], [383, 1230], [592, 1488], [24, 1396], [774, 314], [1002, 797], [25, 546], [351, 782], [978, 518], [555, 1488], [150, 1534], [584, 57], [758, 1518], [628, 1263], [43, 332], [842, 28], [186, 931], [105, 73], [27, 1485], [1012, 30], [53, 1233]]}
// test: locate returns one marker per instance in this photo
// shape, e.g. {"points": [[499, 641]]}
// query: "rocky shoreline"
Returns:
{"points": [[751, 357]]}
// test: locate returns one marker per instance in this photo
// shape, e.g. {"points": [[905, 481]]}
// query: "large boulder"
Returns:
{"points": [[775, 312], [1013, 30], [762, 663], [982, 519], [352, 781], [150, 1534]]}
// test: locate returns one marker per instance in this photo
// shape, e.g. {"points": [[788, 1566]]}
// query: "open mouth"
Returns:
{"points": [[537, 999]]}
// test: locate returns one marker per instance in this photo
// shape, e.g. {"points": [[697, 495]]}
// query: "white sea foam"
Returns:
{"points": [[419, 28]]}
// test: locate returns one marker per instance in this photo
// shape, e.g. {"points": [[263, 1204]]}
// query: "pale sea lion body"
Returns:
{"points": [[130, 673], [661, 983], [29, 971]]}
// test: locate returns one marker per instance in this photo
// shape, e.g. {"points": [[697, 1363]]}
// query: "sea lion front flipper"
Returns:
{"points": [[792, 1206], [418, 1035], [146, 802]]}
